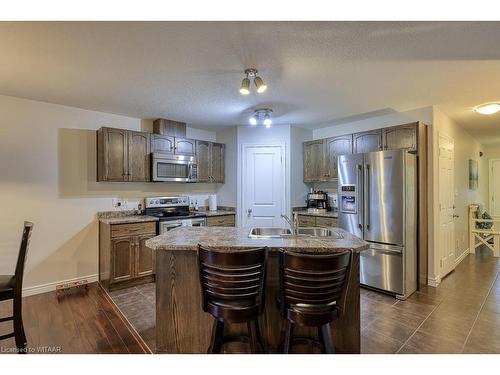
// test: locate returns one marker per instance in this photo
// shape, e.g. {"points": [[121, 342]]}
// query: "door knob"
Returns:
{"points": [[249, 212]]}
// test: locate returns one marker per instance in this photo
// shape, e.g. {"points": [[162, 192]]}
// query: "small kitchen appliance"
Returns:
{"points": [[317, 202], [173, 212]]}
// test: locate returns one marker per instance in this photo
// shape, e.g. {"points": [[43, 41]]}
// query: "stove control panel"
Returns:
{"points": [[159, 202]]}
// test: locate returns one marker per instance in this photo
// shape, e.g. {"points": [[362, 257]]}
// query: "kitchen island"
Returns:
{"points": [[181, 324]]}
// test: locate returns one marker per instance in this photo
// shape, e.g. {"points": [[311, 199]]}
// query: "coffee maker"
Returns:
{"points": [[317, 202]]}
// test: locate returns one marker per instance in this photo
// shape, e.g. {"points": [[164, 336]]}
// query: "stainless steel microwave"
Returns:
{"points": [[174, 168]]}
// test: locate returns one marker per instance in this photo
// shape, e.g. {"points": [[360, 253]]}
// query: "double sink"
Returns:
{"points": [[301, 232]]}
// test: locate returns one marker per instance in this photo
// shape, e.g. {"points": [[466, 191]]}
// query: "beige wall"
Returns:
{"points": [[47, 175], [465, 147]]}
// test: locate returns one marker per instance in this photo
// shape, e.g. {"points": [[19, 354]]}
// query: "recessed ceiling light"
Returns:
{"points": [[488, 108]]}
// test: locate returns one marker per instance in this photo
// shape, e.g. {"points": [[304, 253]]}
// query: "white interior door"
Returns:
{"points": [[263, 193], [446, 248], [495, 187]]}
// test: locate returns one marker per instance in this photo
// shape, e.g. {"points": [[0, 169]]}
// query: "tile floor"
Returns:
{"points": [[462, 315]]}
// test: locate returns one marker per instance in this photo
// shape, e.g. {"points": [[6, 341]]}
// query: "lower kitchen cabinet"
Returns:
{"points": [[124, 259], [221, 221], [317, 221]]}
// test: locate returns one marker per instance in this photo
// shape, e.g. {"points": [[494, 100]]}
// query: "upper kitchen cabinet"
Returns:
{"points": [[210, 162], [162, 143], [122, 155], [314, 161], [368, 141], [403, 136], [217, 157], [341, 145], [112, 155], [138, 156], [185, 146]]}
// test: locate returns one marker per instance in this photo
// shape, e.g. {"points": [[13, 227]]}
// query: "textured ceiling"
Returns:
{"points": [[317, 73]]}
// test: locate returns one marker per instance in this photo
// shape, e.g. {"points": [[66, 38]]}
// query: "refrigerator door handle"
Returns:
{"points": [[367, 198], [359, 185]]}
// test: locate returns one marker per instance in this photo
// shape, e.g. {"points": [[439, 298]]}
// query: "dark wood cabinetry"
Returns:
{"points": [[162, 143], [403, 136], [367, 141], [185, 146], [221, 221], [314, 161], [334, 147], [320, 156], [124, 259], [123, 155], [210, 162]]}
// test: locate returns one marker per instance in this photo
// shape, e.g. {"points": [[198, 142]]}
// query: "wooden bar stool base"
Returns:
{"points": [[253, 339]]}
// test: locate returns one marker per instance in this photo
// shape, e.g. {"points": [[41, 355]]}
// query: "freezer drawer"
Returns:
{"points": [[383, 268]]}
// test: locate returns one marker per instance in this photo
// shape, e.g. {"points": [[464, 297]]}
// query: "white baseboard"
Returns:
{"points": [[44, 288], [461, 257], [434, 281]]}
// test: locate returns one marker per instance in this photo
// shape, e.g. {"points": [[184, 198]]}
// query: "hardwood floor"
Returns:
{"points": [[76, 323], [462, 315]]}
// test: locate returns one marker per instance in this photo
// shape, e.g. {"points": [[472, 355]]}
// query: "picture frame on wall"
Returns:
{"points": [[473, 174]]}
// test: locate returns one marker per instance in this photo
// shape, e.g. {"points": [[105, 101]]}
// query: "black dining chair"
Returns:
{"points": [[11, 287]]}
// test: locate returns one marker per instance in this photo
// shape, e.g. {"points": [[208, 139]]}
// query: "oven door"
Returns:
{"points": [[176, 168], [165, 226]]}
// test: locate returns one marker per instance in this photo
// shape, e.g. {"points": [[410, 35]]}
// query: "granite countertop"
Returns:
{"points": [[234, 239], [127, 219], [303, 211]]}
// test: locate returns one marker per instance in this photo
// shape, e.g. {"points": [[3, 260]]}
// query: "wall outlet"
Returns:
{"points": [[120, 204]]}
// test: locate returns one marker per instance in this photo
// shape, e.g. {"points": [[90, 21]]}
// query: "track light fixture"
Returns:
{"points": [[261, 116], [259, 83]]}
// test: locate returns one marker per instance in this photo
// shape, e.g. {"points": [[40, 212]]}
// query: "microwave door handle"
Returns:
{"points": [[359, 179]]}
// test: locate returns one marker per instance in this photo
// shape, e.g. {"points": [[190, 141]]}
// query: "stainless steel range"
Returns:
{"points": [[173, 212]]}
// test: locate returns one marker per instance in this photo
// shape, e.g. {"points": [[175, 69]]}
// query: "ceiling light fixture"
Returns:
{"points": [[488, 108], [259, 83], [245, 86], [261, 116]]}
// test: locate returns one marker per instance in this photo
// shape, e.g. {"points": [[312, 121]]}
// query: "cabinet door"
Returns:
{"points": [[217, 158], [144, 257], [185, 146], [314, 152], [336, 146], [162, 143], [115, 154], [138, 156], [122, 258], [203, 159], [367, 141], [404, 136]]}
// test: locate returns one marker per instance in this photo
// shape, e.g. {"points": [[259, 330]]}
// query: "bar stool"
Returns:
{"points": [[11, 287], [312, 293], [232, 291]]}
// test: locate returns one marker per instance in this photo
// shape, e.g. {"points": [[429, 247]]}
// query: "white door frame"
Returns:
{"points": [[490, 185], [241, 168]]}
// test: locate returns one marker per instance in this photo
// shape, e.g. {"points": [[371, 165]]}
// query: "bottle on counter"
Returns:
{"points": [[196, 208]]}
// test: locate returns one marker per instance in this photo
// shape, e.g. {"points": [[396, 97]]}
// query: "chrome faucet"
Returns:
{"points": [[294, 225]]}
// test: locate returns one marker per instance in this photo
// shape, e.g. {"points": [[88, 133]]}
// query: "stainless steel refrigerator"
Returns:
{"points": [[378, 203]]}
